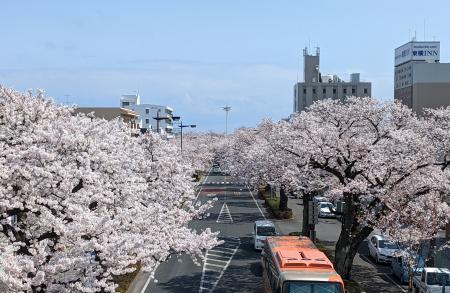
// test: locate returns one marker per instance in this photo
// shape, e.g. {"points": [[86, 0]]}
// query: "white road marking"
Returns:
{"points": [[196, 197], [257, 205], [365, 257], [224, 215], [148, 280], [213, 272], [222, 248], [201, 185]]}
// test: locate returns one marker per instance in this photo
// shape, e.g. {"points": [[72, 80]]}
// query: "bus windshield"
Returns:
{"points": [[311, 287]]}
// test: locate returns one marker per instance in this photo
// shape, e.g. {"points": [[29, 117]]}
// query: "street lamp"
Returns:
{"points": [[226, 109], [157, 118], [181, 131]]}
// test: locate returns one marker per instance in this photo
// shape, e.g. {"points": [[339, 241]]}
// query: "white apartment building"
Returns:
{"points": [[155, 117]]}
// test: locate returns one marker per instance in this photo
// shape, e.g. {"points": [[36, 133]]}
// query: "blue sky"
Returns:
{"points": [[197, 56]]}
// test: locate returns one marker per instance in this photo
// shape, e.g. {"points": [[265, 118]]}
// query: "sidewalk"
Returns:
{"points": [[139, 283]]}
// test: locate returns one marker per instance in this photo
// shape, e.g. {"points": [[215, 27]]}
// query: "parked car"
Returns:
{"points": [[321, 199], [382, 249], [327, 210], [400, 267], [262, 229], [432, 280]]}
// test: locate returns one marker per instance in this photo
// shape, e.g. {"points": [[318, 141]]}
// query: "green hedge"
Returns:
{"points": [[273, 203]]}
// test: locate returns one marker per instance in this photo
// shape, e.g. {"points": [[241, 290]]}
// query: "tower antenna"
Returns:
{"points": [[226, 109]]}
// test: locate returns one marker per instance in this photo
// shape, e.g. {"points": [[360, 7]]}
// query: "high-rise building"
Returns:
{"points": [[155, 117], [317, 86], [420, 81]]}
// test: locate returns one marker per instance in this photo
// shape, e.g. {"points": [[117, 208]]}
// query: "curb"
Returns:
{"points": [[139, 283]]}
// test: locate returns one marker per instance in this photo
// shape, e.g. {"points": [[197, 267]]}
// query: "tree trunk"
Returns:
{"points": [[306, 228], [352, 235], [283, 199]]}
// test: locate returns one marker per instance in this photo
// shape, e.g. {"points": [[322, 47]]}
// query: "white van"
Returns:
{"points": [[261, 230]]}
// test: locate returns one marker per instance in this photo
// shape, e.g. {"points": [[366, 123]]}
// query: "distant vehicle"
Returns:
{"points": [[321, 199], [382, 249], [293, 264], [400, 267], [432, 280], [262, 229], [326, 210]]}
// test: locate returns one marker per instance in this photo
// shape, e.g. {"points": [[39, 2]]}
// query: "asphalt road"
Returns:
{"points": [[231, 267], [234, 266]]}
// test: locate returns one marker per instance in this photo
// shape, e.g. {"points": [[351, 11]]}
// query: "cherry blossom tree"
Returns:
{"points": [[370, 149], [82, 200], [375, 157], [199, 149]]}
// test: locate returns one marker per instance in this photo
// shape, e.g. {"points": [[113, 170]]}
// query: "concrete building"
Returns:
{"points": [[128, 116], [420, 81], [317, 86], [155, 117]]}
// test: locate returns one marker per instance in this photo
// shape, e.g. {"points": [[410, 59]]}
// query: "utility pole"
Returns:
{"points": [[226, 109]]}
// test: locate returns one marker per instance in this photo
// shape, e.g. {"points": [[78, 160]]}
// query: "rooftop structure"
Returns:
{"points": [[317, 86], [128, 116], [155, 117]]}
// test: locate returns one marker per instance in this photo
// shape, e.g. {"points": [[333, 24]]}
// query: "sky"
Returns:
{"points": [[198, 56]]}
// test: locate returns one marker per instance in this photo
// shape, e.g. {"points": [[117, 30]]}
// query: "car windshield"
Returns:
{"points": [[438, 279], [326, 205], [265, 231], [312, 287], [387, 244]]}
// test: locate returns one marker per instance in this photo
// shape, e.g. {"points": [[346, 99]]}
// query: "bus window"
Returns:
{"points": [[311, 287]]}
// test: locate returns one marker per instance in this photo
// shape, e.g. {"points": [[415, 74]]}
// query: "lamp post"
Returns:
{"points": [[181, 131], [226, 109], [176, 118], [157, 118]]}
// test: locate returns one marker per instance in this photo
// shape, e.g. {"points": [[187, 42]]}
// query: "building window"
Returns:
{"points": [[353, 91], [345, 91], [147, 121], [324, 91], [304, 91], [334, 91], [365, 91], [125, 104], [147, 111], [314, 90]]}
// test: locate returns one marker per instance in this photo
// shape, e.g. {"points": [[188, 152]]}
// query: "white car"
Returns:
{"points": [[327, 210], [261, 230], [432, 280], [382, 249]]}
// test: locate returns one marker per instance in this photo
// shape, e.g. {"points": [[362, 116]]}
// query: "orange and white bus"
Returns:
{"points": [[293, 264]]}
